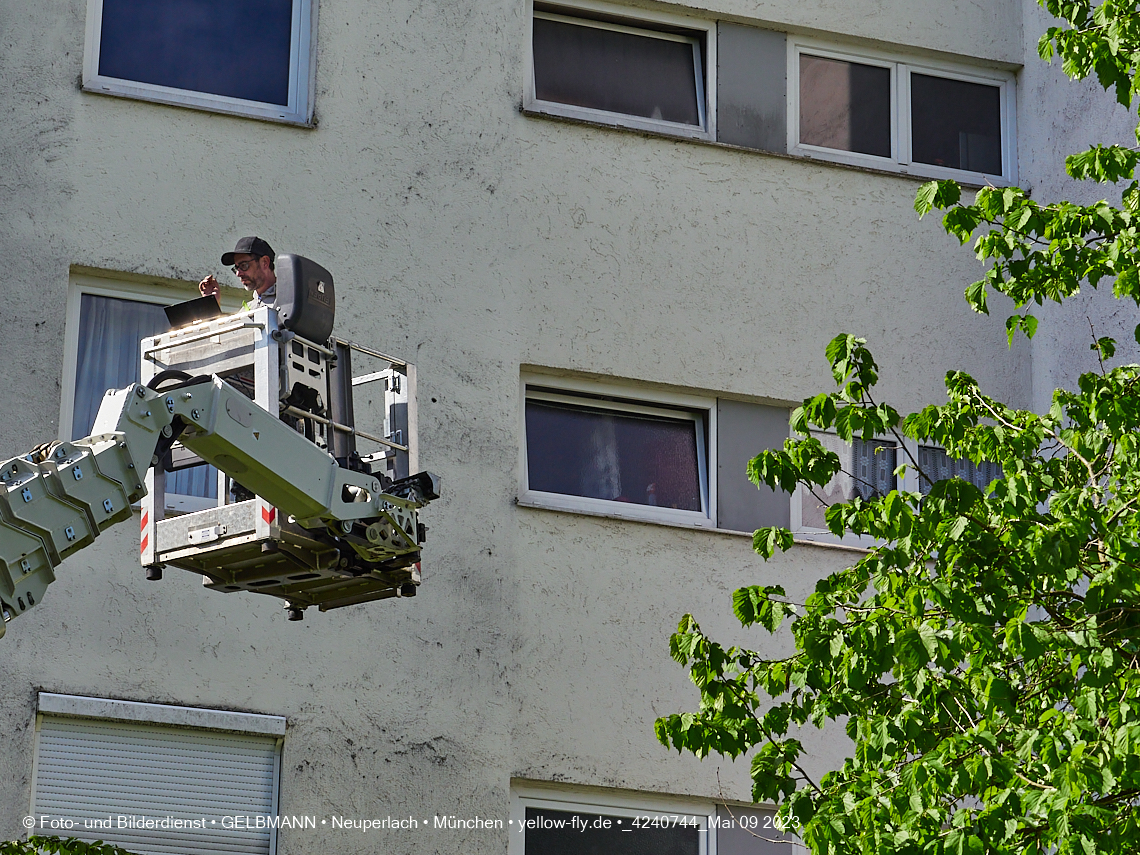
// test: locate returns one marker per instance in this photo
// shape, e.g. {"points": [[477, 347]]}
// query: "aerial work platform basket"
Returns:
{"points": [[201, 519]]}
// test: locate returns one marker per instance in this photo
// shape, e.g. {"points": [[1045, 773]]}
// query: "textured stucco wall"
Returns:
{"points": [[471, 240], [1060, 117], [984, 30]]}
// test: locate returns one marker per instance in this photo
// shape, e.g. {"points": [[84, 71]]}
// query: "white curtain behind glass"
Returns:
{"points": [[940, 466], [867, 469], [108, 358]]}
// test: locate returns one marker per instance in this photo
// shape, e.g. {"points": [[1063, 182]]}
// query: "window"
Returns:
{"points": [[871, 109], [868, 470], [621, 451], [248, 57], [627, 456], [97, 760], [556, 820], [845, 105], [595, 63], [105, 321]]}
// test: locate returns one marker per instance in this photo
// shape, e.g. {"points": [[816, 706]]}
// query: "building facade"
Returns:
{"points": [[614, 238]]}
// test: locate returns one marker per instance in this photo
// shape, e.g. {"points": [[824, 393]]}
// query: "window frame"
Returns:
{"points": [[902, 67], [141, 291], [641, 22], [623, 399], [302, 62]]}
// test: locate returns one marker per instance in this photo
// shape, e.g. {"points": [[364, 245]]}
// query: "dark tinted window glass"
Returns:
{"points": [[238, 48], [955, 123], [556, 832], [845, 105], [603, 454], [939, 466], [620, 72]]}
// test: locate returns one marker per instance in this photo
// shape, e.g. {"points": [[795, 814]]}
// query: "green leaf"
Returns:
{"points": [[916, 647], [937, 194], [765, 541], [754, 605], [924, 199], [999, 694], [976, 297], [1021, 640], [957, 528], [1026, 323], [1105, 347]]}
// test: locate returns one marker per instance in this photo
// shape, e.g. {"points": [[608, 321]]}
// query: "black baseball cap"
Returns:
{"points": [[249, 246]]}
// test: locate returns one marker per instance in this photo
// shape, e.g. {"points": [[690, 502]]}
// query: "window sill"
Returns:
{"points": [[265, 115], [621, 511], [606, 119], [922, 171], [710, 529], [968, 180]]}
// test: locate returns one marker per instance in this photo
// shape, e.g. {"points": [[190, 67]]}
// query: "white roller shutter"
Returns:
{"points": [[88, 769]]}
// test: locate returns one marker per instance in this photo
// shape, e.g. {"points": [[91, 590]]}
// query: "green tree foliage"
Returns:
{"points": [[984, 658], [58, 846]]}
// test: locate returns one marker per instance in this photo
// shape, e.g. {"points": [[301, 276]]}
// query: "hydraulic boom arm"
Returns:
{"points": [[57, 499]]}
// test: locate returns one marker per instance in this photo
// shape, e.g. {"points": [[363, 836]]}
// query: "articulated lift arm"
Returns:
{"points": [[57, 499]]}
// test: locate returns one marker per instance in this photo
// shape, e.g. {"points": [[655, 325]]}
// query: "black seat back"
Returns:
{"points": [[306, 302]]}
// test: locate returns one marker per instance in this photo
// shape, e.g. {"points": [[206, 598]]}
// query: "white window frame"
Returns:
{"points": [[641, 22], [901, 148], [588, 393], [298, 110], [157, 293]]}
